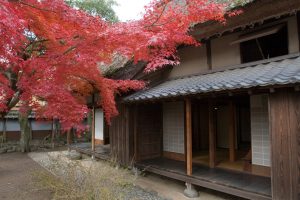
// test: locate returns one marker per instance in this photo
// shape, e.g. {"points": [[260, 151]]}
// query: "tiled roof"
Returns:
{"points": [[14, 114], [277, 71]]}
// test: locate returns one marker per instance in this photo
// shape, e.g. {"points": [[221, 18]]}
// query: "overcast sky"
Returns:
{"points": [[130, 9]]}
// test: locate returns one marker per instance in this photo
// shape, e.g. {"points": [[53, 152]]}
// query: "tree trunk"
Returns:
{"points": [[25, 133]]}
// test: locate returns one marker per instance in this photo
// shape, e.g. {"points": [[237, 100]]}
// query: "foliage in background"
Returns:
{"points": [[103, 8]]}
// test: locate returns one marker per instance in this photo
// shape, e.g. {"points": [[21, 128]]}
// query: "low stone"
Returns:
{"points": [[18, 148], [74, 155], [3, 150], [190, 191], [33, 148], [11, 150], [136, 172]]}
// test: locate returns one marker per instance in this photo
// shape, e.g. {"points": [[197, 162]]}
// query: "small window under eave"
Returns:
{"points": [[264, 44], [258, 34]]}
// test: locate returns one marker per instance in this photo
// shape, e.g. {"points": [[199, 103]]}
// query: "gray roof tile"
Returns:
{"points": [[277, 71]]}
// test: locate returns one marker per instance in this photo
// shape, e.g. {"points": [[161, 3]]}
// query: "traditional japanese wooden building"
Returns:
{"points": [[227, 118], [10, 127]]}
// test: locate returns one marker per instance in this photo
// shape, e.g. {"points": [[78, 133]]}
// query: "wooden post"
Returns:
{"points": [[135, 154], [53, 133], [30, 128], [212, 136], [4, 129], [93, 129], [188, 126], [231, 131], [208, 54], [69, 139]]}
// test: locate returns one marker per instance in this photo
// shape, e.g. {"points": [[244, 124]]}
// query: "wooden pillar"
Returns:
{"points": [[135, 133], [284, 123], [69, 139], [52, 133], [93, 129], [232, 131], [30, 128], [4, 129], [298, 25], [212, 136], [188, 126], [208, 54]]}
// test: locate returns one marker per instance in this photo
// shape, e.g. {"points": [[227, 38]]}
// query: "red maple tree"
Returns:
{"points": [[49, 52]]}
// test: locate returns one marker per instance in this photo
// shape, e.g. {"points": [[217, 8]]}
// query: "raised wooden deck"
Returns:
{"points": [[101, 151], [230, 182]]}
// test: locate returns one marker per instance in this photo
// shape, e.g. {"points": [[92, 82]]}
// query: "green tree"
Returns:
{"points": [[103, 8]]}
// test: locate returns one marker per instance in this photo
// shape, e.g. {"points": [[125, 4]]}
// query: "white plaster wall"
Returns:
{"points": [[41, 125], [260, 137], [223, 53], [293, 35], [193, 60], [99, 123], [12, 125], [173, 127]]}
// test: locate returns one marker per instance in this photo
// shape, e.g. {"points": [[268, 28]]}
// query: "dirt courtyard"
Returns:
{"points": [[16, 181]]}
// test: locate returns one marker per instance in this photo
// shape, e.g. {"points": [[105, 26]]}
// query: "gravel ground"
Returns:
{"points": [[16, 178], [128, 191]]}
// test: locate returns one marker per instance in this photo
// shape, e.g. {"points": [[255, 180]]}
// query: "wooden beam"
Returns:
{"points": [[93, 128], [298, 25], [212, 136], [135, 134], [205, 183], [232, 131], [189, 148], [208, 54]]}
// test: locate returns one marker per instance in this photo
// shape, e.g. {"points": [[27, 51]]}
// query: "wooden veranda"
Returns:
{"points": [[231, 182], [100, 152]]}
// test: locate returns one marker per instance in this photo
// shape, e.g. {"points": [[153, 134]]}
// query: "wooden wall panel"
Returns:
{"points": [[294, 111], [41, 134], [284, 112], [121, 136]]}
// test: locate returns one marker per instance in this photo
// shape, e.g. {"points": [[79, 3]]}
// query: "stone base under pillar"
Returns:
{"points": [[190, 191]]}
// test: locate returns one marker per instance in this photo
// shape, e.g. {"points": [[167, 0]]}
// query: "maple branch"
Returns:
{"points": [[158, 18], [69, 50], [14, 100], [33, 6], [172, 20], [92, 83]]}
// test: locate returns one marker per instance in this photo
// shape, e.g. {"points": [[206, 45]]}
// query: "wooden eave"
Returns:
{"points": [[254, 13]]}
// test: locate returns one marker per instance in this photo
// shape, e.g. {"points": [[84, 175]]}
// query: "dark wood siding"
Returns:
{"points": [[120, 136], [149, 131], [284, 113], [40, 134]]}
